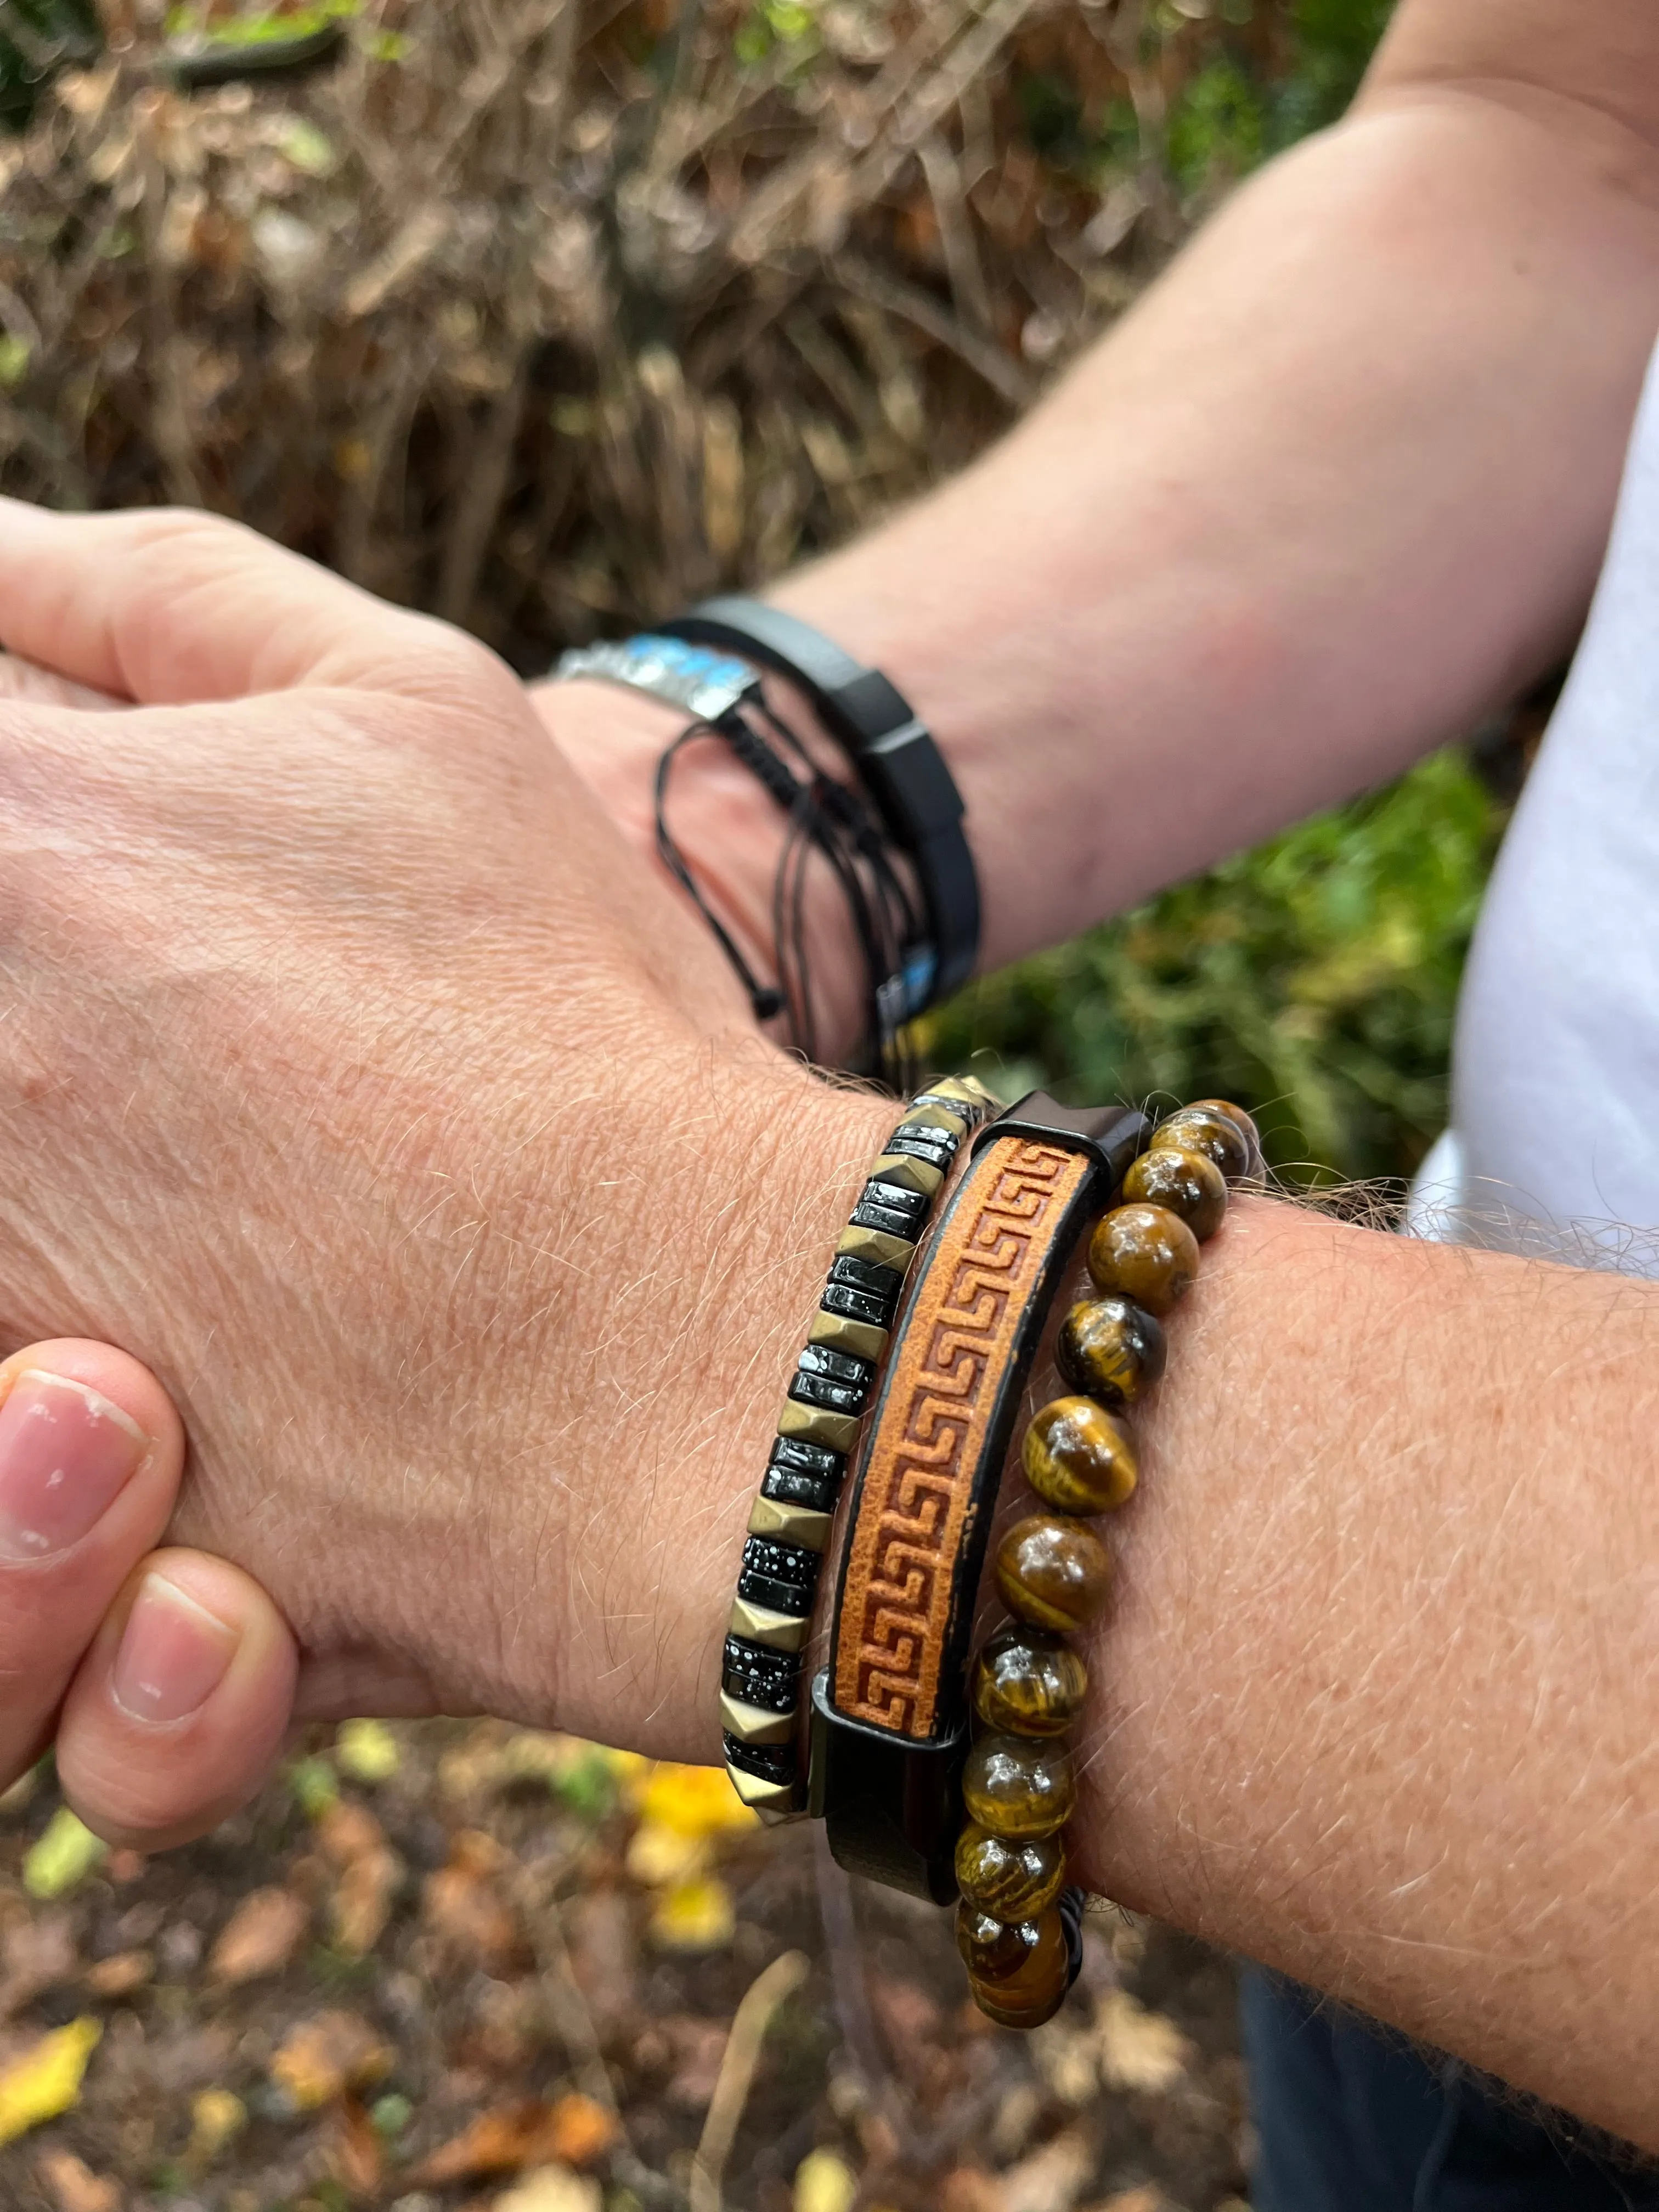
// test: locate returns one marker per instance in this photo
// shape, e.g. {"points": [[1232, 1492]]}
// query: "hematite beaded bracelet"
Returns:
{"points": [[1017, 1924], [833, 1379]]}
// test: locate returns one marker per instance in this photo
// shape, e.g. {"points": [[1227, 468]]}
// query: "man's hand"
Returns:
{"points": [[358, 1078], [164, 1677]]}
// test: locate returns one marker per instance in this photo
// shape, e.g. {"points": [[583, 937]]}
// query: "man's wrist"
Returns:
{"points": [[732, 833], [706, 1315]]}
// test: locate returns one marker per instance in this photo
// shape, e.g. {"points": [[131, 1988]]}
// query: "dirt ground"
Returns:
{"points": [[455, 1965]]}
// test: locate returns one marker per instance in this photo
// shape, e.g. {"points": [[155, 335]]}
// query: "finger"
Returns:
{"points": [[22, 679], [91, 1452], [180, 1708], [167, 606]]}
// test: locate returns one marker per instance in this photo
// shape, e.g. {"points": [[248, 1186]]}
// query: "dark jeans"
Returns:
{"points": [[1350, 2119]]}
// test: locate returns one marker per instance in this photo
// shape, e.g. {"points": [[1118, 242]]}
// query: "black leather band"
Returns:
{"points": [[890, 1724], [901, 767]]}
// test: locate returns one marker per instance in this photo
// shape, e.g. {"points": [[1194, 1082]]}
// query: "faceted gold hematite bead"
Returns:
{"points": [[1078, 1457], [1018, 1789], [1010, 1880], [1053, 1573], [1204, 1129], [1111, 1347], [1029, 1682], [1145, 1253], [1037, 1970], [1187, 1183]]}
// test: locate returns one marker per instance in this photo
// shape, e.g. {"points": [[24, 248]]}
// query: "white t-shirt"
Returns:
{"points": [[1555, 1082]]}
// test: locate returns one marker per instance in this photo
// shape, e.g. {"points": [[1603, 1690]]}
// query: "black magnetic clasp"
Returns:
{"points": [[1113, 1136], [891, 1806]]}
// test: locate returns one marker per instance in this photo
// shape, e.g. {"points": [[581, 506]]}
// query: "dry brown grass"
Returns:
{"points": [[563, 313]]}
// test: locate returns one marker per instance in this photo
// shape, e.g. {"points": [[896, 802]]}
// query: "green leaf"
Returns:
{"points": [[66, 1855], [315, 1786]]}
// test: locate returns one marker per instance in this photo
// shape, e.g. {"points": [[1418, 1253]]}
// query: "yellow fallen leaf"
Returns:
{"points": [[216, 2117], [552, 2189], [46, 2080], [694, 1800], [367, 1752], [694, 1915], [1139, 2049], [66, 1855], [825, 2183], [658, 1855]]}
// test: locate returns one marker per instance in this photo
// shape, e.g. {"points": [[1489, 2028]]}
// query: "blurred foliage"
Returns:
{"points": [[619, 354], [37, 39], [1249, 101], [1312, 980]]}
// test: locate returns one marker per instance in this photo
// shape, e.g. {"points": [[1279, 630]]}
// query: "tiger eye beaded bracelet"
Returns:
{"points": [[1016, 1923], [790, 1523]]}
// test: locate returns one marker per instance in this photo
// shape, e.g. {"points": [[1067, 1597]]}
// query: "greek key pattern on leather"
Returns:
{"points": [[956, 1343]]}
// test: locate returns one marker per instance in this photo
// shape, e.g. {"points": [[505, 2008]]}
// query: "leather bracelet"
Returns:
{"points": [[790, 1523], [895, 755], [890, 1714], [892, 1766]]}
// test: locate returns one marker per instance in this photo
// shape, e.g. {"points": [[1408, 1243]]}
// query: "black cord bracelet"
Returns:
{"points": [[840, 823], [896, 756]]}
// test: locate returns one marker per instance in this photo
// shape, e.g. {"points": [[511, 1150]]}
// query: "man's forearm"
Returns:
{"points": [[1375, 1703], [1339, 485], [1373, 1699]]}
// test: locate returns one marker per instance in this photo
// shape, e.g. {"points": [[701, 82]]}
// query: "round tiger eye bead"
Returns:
{"points": [[1018, 1791], [1078, 1457], [1111, 1348], [1240, 1120], [1029, 1682], [1053, 1573], [1035, 1989], [1011, 1881], [1202, 1129], [992, 1950], [1186, 1182], [1145, 1253]]}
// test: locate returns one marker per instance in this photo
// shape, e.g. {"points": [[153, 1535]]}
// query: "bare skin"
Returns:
{"points": [[1338, 486], [383, 1103]]}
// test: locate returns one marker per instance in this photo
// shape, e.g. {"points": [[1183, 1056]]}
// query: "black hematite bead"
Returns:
{"points": [[959, 1107], [802, 1473], [781, 1575], [837, 1380], [773, 1762], [899, 1213], [760, 1676], [938, 1147], [862, 1290]]}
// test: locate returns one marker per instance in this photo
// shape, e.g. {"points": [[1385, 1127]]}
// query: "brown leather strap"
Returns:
{"points": [[917, 1539]]}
